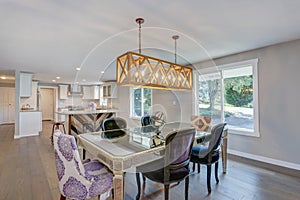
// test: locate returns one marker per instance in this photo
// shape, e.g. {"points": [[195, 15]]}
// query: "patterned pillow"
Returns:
{"points": [[201, 123]]}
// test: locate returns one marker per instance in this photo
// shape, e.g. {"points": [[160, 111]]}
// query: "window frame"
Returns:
{"points": [[220, 68], [132, 115]]}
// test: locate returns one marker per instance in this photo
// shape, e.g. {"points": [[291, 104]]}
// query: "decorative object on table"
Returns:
{"points": [[209, 154], [173, 166], [92, 106], [135, 69], [201, 123], [158, 120], [79, 180], [114, 127]]}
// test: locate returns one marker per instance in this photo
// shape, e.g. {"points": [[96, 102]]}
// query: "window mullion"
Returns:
{"points": [[222, 97], [142, 101]]}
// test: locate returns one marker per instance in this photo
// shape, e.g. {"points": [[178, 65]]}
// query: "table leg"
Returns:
{"points": [[118, 185], [224, 150]]}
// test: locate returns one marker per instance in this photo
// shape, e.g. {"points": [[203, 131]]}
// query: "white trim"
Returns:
{"points": [[265, 159], [235, 65], [132, 116], [243, 132], [29, 135]]}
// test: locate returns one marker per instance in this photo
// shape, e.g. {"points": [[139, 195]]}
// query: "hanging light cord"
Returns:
{"points": [[140, 21], [175, 37]]}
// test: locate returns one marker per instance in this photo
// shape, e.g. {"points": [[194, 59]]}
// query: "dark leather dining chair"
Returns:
{"points": [[173, 167], [209, 154], [145, 120], [113, 127]]}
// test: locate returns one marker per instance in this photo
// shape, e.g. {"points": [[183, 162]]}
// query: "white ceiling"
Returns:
{"points": [[52, 37]]}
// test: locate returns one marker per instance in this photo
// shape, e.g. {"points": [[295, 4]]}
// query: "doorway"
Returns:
{"points": [[47, 103], [7, 96]]}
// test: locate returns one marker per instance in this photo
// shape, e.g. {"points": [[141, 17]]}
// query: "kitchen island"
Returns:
{"points": [[83, 121]]}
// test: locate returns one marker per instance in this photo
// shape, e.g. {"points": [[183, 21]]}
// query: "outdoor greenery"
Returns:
{"points": [[238, 91]]}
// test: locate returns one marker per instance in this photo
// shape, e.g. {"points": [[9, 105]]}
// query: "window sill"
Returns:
{"points": [[244, 133], [134, 117]]}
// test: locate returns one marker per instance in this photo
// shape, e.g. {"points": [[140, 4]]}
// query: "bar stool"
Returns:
{"points": [[56, 125], [86, 125]]}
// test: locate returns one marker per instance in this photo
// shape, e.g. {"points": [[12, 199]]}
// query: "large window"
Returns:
{"points": [[229, 93], [141, 101]]}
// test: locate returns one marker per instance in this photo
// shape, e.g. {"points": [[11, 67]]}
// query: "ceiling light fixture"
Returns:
{"points": [[135, 69], [57, 77], [77, 68]]}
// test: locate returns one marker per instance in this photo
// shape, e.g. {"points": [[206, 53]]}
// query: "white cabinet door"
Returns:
{"points": [[110, 90], [30, 123], [63, 91], [25, 84], [91, 92], [96, 91], [87, 92]]}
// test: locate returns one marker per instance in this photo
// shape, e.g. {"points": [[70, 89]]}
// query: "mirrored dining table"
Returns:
{"points": [[122, 150]]}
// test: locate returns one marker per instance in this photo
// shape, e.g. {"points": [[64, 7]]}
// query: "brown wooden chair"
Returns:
{"points": [[56, 125]]}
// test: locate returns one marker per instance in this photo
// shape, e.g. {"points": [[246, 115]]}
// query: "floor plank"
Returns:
{"points": [[27, 171]]}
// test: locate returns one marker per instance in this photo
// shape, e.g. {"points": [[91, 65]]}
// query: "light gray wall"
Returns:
{"points": [[176, 105], [279, 98], [278, 76]]}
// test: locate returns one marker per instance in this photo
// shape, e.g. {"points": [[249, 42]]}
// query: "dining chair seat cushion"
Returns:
{"points": [[214, 158], [200, 150], [95, 170], [175, 175]]}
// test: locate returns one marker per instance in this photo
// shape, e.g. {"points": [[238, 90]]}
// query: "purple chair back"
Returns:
{"points": [[178, 147]]}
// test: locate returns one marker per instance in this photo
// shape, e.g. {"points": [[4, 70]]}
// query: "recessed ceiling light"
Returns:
{"points": [[3, 77], [77, 68], [102, 72], [53, 80], [57, 77], [83, 80]]}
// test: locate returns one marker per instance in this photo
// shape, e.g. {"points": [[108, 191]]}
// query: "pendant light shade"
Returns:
{"points": [[136, 69]]}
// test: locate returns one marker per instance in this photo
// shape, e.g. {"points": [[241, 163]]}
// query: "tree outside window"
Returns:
{"points": [[228, 95]]}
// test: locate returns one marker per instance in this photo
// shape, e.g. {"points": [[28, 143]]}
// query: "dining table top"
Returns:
{"points": [[136, 140]]}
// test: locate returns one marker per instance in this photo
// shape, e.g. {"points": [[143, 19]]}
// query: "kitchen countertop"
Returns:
{"points": [[29, 110], [87, 111]]}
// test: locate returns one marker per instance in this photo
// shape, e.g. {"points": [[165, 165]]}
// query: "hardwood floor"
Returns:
{"points": [[27, 171]]}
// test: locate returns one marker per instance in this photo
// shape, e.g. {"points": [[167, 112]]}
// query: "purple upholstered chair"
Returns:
{"points": [[79, 180], [173, 167]]}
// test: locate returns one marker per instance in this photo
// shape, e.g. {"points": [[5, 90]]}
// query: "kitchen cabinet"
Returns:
{"points": [[25, 84], [110, 90], [63, 91], [30, 123], [91, 92]]}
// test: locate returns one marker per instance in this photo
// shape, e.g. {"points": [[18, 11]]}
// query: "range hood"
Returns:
{"points": [[75, 89]]}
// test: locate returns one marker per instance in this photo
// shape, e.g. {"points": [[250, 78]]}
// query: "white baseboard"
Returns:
{"points": [[21, 136], [17, 137], [265, 159]]}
